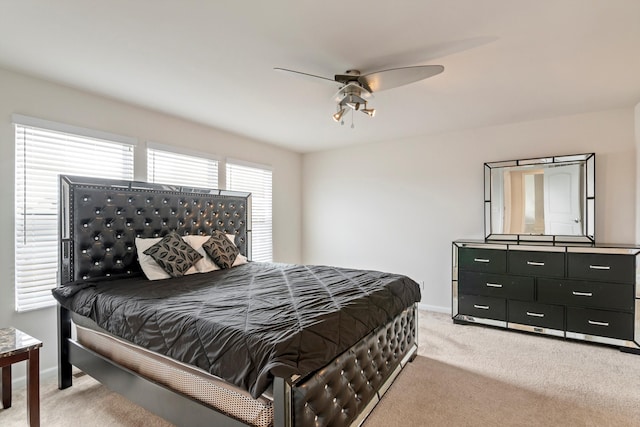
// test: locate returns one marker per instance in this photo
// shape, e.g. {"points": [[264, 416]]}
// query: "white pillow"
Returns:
{"points": [[240, 259], [205, 264]]}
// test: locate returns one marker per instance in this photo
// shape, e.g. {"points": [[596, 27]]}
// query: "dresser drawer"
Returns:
{"points": [[605, 267], [534, 263], [531, 313], [481, 306], [483, 260], [496, 285], [598, 322], [586, 294]]}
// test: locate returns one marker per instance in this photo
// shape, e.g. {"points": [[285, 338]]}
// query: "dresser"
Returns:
{"points": [[579, 291]]}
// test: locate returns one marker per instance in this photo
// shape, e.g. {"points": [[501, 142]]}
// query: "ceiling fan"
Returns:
{"points": [[356, 88]]}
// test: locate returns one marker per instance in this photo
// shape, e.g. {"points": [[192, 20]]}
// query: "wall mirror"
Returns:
{"points": [[547, 199]]}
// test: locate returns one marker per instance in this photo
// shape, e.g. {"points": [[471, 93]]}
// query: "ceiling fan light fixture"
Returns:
{"points": [[338, 116], [352, 101], [369, 111]]}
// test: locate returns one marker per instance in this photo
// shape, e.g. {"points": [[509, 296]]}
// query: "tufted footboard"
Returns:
{"points": [[344, 392]]}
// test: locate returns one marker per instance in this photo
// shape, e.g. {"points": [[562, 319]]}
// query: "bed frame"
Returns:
{"points": [[99, 221]]}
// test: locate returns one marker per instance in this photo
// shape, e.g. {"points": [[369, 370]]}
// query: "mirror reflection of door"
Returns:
{"points": [[562, 200]]}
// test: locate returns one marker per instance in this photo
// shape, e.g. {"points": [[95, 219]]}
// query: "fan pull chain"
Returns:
{"points": [[352, 126]]}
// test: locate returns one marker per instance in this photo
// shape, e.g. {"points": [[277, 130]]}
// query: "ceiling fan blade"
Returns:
{"points": [[394, 77], [301, 74]]}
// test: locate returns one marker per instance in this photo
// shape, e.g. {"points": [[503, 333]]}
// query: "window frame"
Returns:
{"points": [[255, 199], [168, 149], [26, 296]]}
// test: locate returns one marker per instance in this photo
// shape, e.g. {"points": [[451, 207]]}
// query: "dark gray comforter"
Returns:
{"points": [[248, 323]]}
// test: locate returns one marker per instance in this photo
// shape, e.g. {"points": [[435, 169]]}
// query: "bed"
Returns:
{"points": [[299, 346]]}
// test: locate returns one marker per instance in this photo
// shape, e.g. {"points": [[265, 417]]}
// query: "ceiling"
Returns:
{"points": [[212, 61]]}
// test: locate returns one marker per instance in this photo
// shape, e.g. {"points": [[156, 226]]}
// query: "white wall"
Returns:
{"points": [[41, 99], [397, 205]]}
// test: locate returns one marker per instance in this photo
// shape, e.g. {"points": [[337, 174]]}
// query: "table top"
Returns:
{"points": [[14, 341]]}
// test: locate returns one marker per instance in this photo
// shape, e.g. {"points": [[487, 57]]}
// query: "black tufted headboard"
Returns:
{"points": [[100, 219]]}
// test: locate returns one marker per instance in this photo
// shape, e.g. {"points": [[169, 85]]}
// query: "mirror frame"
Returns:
{"points": [[588, 197]]}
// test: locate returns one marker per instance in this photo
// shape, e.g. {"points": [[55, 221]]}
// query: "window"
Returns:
{"points": [[257, 181], [170, 167], [43, 151]]}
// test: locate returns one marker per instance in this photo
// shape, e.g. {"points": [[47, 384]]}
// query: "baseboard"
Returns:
{"points": [[436, 308], [21, 382]]}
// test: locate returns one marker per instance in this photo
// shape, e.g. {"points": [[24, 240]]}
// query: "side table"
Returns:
{"points": [[16, 346]]}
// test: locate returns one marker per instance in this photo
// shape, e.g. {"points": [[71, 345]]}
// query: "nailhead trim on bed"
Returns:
{"points": [[337, 393]]}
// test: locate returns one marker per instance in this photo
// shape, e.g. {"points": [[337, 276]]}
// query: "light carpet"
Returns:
{"points": [[465, 375]]}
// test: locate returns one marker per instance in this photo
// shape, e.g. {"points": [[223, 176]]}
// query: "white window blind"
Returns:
{"points": [[42, 155], [257, 181], [168, 167]]}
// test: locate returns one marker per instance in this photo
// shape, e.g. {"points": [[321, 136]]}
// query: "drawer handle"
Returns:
{"points": [[535, 263], [482, 307], [494, 285], [481, 260], [593, 322], [535, 314], [600, 267], [582, 294]]}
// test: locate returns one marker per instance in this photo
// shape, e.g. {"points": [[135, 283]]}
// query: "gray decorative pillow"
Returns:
{"points": [[221, 250], [173, 254]]}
